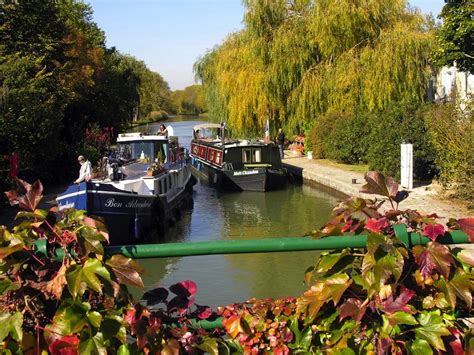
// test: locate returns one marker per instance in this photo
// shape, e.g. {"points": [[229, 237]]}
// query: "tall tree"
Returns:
{"points": [[295, 60], [456, 35]]}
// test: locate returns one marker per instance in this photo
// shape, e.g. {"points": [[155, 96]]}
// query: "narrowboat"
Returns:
{"points": [[142, 188], [235, 164]]}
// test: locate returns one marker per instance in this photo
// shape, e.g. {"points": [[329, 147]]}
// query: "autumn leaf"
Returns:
{"points": [[433, 231], [126, 269], [155, 296], [171, 347], [400, 303], [376, 225], [203, 312], [467, 256], [467, 226], [353, 308], [56, 285], [463, 287], [433, 256], [186, 288], [232, 326], [337, 285], [67, 345], [456, 344], [378, 184], [31, 198], [10, 249]]}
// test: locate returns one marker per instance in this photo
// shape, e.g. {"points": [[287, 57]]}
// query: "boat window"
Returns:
{"points": [[257, 155], [246, 155], [169, 182]]}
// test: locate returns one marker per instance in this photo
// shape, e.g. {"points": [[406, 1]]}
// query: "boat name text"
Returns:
{"points": [[245, 172], [111, 203]]}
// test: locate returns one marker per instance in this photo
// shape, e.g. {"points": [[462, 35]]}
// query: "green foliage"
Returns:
{"points": [[398, 124], [80, 304], [387, 298], [341, 137], [157, 115], [190, 100], [297, 60], [454, 36], [57, 78], [390, 297], [451, 132]]}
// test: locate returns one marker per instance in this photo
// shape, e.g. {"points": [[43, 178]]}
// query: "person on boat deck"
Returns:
{"points": [[197, 134], [281, 141], [86, 169], [163, 130]]}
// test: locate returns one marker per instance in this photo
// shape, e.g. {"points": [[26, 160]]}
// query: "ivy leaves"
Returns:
{"points": [[79, 278]]}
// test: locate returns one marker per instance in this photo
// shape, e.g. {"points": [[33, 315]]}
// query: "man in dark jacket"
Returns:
{"points": [[281, 141]]}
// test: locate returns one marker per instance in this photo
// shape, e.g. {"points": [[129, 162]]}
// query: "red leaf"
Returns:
{"points": [[456, 344], [185, 288], [203, 312], [400, 303], [376, 225], [180, 304], [352, 308], [433, 231], [378, 184], [155, 296], [467, 226], [434, 256], [31, 198], [129, 316], [67, 345]]}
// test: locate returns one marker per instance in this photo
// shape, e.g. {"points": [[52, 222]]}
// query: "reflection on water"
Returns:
{"points": [[224, 279]]}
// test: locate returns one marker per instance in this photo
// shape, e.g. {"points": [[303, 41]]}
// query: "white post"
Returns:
{"points": [[407, 166]]}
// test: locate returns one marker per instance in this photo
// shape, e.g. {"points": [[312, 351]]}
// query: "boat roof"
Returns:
{"points": [[139, 136], [206, 125]]}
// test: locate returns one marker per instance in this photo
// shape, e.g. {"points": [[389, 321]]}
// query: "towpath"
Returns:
{"points": [[422, 198]]}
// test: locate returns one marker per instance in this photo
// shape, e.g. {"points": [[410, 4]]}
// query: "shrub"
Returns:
{"points": [[388, 129], [157, 115], [348, 142], [320, 133], [390, 298], [79, 303], [451, 132]]}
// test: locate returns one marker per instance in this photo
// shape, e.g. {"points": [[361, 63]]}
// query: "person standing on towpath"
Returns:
{"points": [[281, 141]]}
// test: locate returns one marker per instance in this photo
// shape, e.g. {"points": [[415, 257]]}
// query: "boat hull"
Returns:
{"points": [[262, 179], [130, 217]]}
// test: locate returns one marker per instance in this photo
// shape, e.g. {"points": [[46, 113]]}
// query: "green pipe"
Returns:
{"points": [[207, 324], [145, 251]]}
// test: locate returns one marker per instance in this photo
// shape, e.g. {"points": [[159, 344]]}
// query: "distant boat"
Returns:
{"points": [[235, 164], [139, 195]]}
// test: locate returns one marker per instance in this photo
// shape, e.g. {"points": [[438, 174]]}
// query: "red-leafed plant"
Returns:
{"points": [[389, 298], [79, 303]]}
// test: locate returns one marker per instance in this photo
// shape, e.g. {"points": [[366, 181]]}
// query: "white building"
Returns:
{"points": [[450, 79]]}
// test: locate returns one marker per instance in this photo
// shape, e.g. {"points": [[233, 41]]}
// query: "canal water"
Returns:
{"points": [[226, 279]]}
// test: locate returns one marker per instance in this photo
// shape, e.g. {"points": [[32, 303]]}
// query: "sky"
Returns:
{"points": [[170, 35]]}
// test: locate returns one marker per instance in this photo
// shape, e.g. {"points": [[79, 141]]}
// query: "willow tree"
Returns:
{"points": [[295, 60]]}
